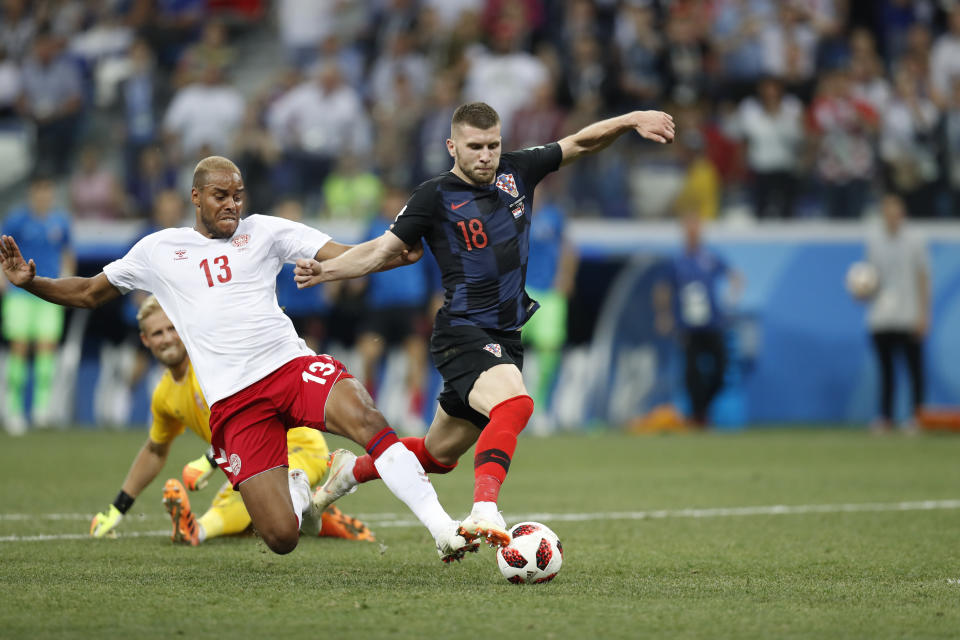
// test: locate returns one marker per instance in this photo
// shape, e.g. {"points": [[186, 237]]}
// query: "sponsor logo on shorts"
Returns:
{"points": [[234, 464], [180, 254], [241, 240], [505, 182], [494, 348]]}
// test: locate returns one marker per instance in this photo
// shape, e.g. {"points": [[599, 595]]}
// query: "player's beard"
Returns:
{"points": [[480, 178]]}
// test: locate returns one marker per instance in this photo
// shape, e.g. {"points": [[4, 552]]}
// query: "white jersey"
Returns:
{"points": [[221, 296]]}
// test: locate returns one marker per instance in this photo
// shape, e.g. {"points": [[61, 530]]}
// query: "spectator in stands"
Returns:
{"points": [[307, 309], [736, 36], [945, 59], [870, 83], [430, 158], [396, 117], [204, 115], [94, 191], [397, 314], [542, 120], [17, 28], [909, 145], [257, 155], [153, 175], [700, 189], [789, 47], [352, 191], [169, 26], [696, 274], [302, 24], [10, 86], [314, 123], [29, 322], [505, 92], [771, 126], [844, 128], [213, 49], [551, 274], [140, 96], [640, 52], [400, 58], [951, 137], [53, 99], [899, 313]]}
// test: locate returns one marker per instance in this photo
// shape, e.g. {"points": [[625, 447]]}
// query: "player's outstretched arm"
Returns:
{"points": [[652, 125], [145, 467], [70, 292], [333, 263]]}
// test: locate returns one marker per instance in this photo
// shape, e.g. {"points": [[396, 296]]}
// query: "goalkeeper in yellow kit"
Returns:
{"points": [[178, 403]]}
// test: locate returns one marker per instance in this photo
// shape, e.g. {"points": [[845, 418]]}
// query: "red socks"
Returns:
{"points": [[364, 470], [496, 445]]}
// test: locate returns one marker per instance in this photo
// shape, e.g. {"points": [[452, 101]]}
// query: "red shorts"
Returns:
{"points": [[249, 428]]}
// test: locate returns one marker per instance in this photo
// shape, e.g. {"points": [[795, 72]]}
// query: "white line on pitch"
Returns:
{"points": [[388, 520]]}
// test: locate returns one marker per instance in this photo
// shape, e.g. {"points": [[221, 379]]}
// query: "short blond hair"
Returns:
{"points": [[147, 308], [212, 164]]}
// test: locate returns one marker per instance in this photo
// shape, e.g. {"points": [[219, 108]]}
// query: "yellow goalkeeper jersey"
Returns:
{"points": [[177, 405]]}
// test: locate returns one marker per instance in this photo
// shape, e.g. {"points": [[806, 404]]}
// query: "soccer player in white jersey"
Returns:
{"points": [[216, 282]]}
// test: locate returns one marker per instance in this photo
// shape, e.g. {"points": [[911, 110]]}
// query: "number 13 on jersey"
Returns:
{"points": [[224, 275]]}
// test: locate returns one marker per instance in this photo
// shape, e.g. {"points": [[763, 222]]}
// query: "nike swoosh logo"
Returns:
{"points": [[457, 206]]}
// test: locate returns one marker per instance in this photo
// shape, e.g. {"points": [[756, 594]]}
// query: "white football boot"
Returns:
{"points": [[452, 545], [339, 482], [488, 525]]}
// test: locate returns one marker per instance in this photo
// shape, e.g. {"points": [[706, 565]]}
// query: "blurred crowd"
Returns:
{"points": [[785, 109]]}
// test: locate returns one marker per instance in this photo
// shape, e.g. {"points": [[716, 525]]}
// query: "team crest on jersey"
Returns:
{"points": [[180, 254], [506, 183], [494, 348], [235, 464], [241, 240]]}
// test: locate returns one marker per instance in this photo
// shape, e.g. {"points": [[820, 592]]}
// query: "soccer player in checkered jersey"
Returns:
{"points": [[217, 282], [476, 220]]}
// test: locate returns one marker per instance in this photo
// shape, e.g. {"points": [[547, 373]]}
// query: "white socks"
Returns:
{"points": [[401, 472], [299, 493], [486, 510]]}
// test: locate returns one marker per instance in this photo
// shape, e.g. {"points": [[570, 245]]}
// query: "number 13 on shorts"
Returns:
{"points": [[318, 372]]}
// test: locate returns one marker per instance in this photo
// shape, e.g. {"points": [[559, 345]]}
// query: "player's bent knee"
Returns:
{"points": [[281, 540]]}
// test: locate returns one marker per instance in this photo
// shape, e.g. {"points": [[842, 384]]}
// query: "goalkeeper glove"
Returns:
{"points": [[104, 523], [196, 473]]}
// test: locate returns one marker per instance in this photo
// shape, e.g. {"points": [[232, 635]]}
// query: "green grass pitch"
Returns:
{"points": [[649, 550]]}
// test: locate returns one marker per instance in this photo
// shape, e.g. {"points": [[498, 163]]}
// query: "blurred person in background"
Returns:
{"points": [[551, 275], [29, 322], [951, 138], [899, 310], [204, 115], [351, 191], [11, 85], [314, 123], [771, 127], [640, 48], [735, 35], [52, 99], [94, 191], [308, 310], [696, 277], [701, 186], [945, 60], [153, 175], [844, 130], [398, 306], [910, 145], [434, 124]]}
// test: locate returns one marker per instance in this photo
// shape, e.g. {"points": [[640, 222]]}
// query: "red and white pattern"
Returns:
{"points": [[505, 182]]}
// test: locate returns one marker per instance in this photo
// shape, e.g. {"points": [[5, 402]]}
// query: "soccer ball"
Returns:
{"points": [[534, 554], [862, 280]]}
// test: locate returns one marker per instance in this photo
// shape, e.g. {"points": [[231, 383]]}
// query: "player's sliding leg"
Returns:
{"points": [[177, 504], [350, 412], [271, 500], [499, 393]]}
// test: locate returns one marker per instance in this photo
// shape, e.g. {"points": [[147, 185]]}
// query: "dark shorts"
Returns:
{"points": [[461, 354], [393, 324]]}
